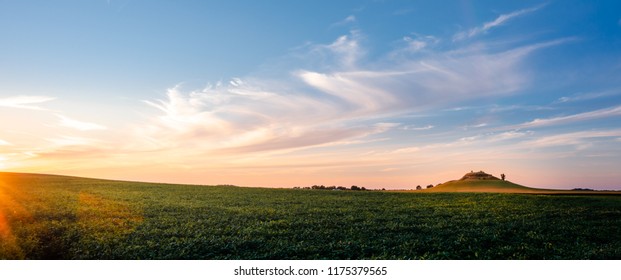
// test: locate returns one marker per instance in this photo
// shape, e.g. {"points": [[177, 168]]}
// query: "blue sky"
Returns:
{"points": [[284, 93]]}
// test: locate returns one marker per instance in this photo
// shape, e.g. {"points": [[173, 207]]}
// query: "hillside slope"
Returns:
{"points": [[493, 186], [483, 182]]}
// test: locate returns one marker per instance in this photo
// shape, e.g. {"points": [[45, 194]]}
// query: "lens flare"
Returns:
{"points": [[10, 210]]}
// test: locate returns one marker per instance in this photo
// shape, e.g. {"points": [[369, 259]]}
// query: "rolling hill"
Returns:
{"points": [[483, 182], [492, 186]]}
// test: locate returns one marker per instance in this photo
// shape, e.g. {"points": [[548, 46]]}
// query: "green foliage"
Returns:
{"points": [[50, 217]]}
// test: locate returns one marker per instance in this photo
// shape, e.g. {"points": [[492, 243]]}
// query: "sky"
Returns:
{"points": [[381, 94]]}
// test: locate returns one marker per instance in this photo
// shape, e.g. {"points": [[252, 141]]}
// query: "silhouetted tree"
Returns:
{"points": [[502, 176], [429, 186], [419, 187]]}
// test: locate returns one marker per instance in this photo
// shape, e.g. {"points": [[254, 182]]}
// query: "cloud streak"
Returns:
{"points": [[24, 101], [416, 128], [347, 20], [597, 114], [581, 140], [499, 21], [588, 96], [79, 125]]}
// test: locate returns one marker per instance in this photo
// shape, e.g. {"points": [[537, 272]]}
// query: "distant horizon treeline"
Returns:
{"points": [[352, 188], [340, 188]]}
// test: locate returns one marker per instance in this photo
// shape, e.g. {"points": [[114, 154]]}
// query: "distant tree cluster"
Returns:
{"points": [[419, 187], [582, 189], [332, 188]]}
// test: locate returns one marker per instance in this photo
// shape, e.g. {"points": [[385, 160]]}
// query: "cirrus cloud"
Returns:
{"points": [[500, 20], [25, 101], [79, 125], [335, 104]]}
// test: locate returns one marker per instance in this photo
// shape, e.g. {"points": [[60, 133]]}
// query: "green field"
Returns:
{"points": [[55, 217]]}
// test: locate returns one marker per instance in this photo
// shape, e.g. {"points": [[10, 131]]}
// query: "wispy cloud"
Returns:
{"points": [[478, 125], [597, 114], [414, 45], [243, 116], [348, 19], [4, 143], [341, 103], [436, 78], [500, 20], [346, 49], [581, 138], [418, 42], [508, 135], [79, 125], [411, 127], [588, 96], [24, 101]]}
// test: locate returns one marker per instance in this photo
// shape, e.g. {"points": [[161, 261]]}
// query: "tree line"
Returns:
{"points": [[341, 188], [352, 188]]}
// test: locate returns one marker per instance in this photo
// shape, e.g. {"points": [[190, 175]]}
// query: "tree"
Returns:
{"points": [[419, 187], [355, 188], [502, 176], [429, 186]]}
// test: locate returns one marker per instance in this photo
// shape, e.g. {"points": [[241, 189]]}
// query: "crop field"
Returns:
{"points": [[55, 217]]}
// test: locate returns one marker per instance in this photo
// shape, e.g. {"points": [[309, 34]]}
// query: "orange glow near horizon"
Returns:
{"points": [[10, 209], [342, 165]]}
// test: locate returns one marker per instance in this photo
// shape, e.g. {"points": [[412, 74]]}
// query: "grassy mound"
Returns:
{"points": [[492, 186], [483, 182]]}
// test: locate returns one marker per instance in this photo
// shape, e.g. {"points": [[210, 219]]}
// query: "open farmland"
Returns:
{"points": [[56, 217]]}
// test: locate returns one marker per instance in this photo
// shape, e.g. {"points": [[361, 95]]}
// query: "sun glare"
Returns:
{"points": [[10, 209]]}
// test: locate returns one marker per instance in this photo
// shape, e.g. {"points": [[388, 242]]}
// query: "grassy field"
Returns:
{"points": [[54, 217]]}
